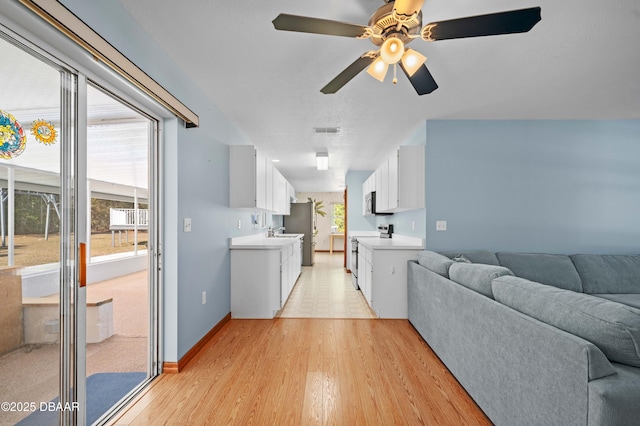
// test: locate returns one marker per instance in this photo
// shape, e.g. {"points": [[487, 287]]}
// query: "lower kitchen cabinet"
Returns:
{"points": [[262, 279], [383, 279]]}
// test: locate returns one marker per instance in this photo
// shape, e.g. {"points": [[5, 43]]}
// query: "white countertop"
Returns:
{"points": [[397, 242], [262, 242]]}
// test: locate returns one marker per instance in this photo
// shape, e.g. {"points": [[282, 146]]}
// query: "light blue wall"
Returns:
{"points": [[196, 179], [534, 186]]}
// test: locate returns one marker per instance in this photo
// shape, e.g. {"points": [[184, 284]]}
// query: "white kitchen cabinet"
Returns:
{"points": [[400, 181], [247, 177], [281, 201], [255, 283], [255, 183], [382, 189], [285, 274], [262, 278], [366, 272], [269, 183], [382, 277]]}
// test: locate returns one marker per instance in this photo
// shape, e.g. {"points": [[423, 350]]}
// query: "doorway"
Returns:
{"points": [[78, 217]]}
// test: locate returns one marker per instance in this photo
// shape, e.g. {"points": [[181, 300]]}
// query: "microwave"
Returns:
{"points": [[370, 204]]}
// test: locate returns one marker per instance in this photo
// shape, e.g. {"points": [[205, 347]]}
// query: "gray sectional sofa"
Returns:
{"points": [[535, 339]]}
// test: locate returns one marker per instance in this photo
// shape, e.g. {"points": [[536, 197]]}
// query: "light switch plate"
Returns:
{"points": [[187, 224], [441, 225]]}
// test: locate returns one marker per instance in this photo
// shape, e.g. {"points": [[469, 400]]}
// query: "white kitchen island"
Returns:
{"points": [[263, 273]]}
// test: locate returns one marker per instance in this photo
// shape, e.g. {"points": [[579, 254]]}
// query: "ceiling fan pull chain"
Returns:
{"points": [[395, 71]]}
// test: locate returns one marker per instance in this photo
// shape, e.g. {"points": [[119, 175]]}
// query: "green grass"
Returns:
{"points": [[33, 250]]}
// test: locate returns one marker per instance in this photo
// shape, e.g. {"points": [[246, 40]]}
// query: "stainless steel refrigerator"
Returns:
{"points": [[300, 221]]}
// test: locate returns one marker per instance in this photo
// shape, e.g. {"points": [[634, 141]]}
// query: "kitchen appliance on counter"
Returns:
{"points": [[300, 221], [385, 230]]}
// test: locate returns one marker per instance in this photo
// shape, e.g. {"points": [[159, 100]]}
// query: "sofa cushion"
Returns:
{"points": [[613, 327], [475, 256], [477, 276], [608, 273], [551, 269], [435, 262], [629, 299]]}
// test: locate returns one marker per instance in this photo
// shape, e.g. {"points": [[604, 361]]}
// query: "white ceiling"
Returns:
{"points": [[580, 62]]}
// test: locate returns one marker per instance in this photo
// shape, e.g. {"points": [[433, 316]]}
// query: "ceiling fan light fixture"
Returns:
{"points": [[322, 160], [378, 69], [412, 61], [392, 50]]}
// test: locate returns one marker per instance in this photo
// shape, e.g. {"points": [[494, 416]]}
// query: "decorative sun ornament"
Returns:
{"points": [[12, 138], [44, 132]]}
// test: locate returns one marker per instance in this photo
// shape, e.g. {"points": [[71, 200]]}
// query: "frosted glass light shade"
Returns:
{"points": [[378, 69], [412, 61], [392, 50], [322, 160]]}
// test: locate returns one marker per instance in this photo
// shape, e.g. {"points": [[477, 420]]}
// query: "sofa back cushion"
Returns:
{"points": [[629, 299], [608, 273], [551, 269], [614, 328], [477, 276], [435, 262], [474, 256]]}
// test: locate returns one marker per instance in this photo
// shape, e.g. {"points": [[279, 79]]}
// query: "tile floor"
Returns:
{"points": [[325, 291]]}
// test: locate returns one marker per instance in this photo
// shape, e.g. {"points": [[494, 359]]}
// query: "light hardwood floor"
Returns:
{"points": [[311, 371]]}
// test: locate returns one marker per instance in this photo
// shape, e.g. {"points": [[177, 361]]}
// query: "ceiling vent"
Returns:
{"points": [[327, 130]]}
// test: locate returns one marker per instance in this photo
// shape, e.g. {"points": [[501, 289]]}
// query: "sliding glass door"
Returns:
{"points": [[78, 225]]}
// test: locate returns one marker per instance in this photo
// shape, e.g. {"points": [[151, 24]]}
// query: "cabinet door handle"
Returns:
{"points": [[82, 254]]}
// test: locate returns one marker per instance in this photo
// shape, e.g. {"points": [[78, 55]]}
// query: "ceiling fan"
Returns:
{"points": [[396, 24]]}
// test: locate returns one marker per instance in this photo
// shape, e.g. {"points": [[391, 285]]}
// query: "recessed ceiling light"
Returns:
{"points": [[275, 160]]}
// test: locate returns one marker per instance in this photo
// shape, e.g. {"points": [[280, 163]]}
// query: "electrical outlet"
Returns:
{"points": [[187, 224], [204, 297], [413, 225], [239, 224], [441, 225]]}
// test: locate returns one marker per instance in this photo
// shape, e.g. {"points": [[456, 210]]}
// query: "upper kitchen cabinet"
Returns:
{"points": [[247, 177], [400, 181], [280, 193], [255, 183]]}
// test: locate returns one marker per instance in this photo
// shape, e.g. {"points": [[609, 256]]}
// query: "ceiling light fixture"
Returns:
{"points": [[392, 50], [412, 61], [378, 69], [322, 160]]}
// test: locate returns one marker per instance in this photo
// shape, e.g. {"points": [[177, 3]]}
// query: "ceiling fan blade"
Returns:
{"points": [[407, 7], [345, 76], [514, 21], [421, 80], [306, 24]]}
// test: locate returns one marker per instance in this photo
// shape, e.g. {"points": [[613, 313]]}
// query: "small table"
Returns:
{"points": [[331, 238]]}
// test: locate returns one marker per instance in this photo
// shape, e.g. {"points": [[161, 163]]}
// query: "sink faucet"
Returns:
{"points": [[272, 231]]}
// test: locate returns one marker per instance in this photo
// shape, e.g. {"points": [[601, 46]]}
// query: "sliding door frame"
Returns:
{"points": [[73, 177]]}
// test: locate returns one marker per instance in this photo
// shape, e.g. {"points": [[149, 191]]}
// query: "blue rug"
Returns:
{"points": [[103, 391]]}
